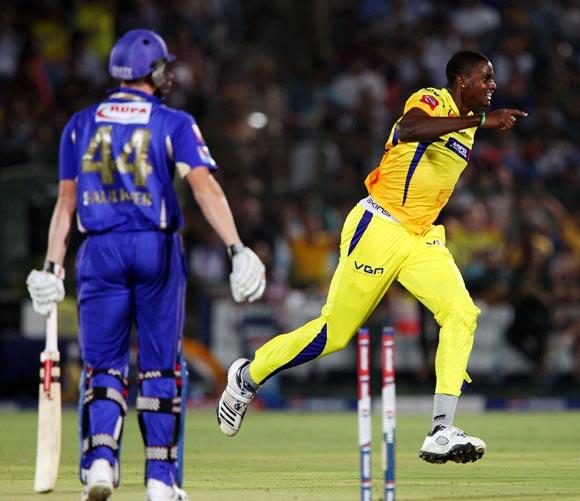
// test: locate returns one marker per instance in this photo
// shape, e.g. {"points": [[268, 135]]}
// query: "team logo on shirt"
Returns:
{"points": [[460, 149], [429, 101], [123, 113]]}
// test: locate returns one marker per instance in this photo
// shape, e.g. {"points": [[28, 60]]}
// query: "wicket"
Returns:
{"points": [[365, 411]]}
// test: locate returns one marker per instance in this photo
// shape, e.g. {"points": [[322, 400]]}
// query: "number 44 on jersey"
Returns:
{"points": [[132, 160]]}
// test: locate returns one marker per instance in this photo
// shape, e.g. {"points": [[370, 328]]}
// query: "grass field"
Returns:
{"points": [[296, 456]]}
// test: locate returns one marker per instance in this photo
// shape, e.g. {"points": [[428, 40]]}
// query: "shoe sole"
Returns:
{"points": [[466, 453], [99, 493]]}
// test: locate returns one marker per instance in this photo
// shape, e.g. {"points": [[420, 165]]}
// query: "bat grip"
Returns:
{"points": [[47, 376], [51, 330]]}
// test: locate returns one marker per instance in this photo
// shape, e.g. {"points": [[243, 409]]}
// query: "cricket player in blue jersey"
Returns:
{"points": [[117, 163]]}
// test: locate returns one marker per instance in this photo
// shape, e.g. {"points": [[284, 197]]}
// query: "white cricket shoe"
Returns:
{"points": [[448, 443], [234, 400], [159, 491], [99, 481]]}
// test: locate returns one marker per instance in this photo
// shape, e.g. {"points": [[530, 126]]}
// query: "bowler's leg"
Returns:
{"points": [[372, 250], [431, 275]]}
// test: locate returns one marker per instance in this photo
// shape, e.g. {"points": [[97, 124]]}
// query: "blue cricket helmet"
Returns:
{"points": [[134, 55]]}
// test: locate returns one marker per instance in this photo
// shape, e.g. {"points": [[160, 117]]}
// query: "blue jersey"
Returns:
{"points": [[123, 153]]}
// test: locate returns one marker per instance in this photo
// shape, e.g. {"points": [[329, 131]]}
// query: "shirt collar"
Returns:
{"points": [[452, 103], [131, 95]]}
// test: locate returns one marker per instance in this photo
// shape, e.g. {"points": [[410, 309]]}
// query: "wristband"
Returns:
{"points": [[482, 123], [54, 268], [235, 249]]}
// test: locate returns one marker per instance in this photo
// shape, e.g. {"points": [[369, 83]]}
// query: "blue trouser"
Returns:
{"points": [[127, 279]]}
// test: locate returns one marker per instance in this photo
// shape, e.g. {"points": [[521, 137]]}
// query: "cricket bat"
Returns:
{"points": [[49, 410]]}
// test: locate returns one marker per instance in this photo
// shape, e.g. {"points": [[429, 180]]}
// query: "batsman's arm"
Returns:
{"points": [[416, 125], [61, 221], [214, 204], [248, 276]]}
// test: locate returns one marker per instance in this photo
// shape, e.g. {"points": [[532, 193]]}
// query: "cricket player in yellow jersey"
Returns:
{"points": [[389, 235]]}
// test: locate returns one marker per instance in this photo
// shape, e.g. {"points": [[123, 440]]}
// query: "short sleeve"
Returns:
{"points": [[189, 148], [68, 164], [426, 100]]}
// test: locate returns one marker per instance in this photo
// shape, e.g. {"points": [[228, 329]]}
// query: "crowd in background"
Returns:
{"points": [[295, 100]]}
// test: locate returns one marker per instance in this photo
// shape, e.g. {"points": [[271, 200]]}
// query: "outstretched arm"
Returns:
{"points": [[416, 125]]}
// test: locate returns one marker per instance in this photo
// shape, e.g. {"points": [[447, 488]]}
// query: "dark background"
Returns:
{"points": [[295, 100]]}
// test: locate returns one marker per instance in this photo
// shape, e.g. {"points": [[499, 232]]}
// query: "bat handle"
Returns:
{"points": [[51, 330], [47, 380]]}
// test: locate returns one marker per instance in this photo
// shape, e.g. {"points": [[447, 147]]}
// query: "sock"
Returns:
{"points": [[443, 409], [248, 379]]}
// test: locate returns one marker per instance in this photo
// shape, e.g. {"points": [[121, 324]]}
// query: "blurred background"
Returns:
{"points": [[295, 100]]}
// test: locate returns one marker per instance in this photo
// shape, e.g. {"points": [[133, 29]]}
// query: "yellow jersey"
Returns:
{"points": [[415, 180]]}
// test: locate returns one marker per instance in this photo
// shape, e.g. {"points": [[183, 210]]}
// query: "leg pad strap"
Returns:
{"points": [[100, 440], [154, 374], [105, 393], [158, 453], [154, 404]]}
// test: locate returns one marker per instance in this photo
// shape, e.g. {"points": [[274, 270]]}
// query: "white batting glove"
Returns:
{"points": [[46, 287], [248, 276]]}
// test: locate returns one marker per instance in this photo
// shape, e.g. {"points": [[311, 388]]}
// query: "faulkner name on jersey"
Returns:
{"points": [[117, 195]]}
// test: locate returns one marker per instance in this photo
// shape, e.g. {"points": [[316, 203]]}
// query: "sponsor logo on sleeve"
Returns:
{"points": [[123, 113], [460, 149], [205, 155], [429, 101]]}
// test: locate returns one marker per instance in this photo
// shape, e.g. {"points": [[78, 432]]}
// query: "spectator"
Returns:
{"points": [[327, 100], [530, 292]]}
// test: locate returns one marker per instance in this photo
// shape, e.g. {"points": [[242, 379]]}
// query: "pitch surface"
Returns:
{"points": [[310, 456]]}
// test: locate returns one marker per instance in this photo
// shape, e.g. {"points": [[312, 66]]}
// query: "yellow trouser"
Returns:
{"points": [[373, 252]]}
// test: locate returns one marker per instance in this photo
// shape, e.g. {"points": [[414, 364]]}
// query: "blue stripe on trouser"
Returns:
{"points": [[360, 229], [311, 351]]}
